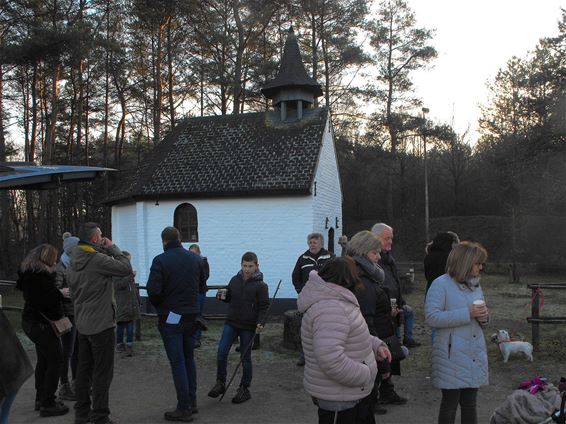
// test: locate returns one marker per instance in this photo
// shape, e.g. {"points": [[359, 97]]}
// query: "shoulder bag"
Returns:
{"points": [[60, 326]]}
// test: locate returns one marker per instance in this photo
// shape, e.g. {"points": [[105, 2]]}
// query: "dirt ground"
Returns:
{"points": [[142, 388]]}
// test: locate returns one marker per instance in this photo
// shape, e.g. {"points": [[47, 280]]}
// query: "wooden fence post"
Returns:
{"points": [[535, 309]]}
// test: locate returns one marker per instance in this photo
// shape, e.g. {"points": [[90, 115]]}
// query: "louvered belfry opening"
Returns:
{"points": [[293, 90]]}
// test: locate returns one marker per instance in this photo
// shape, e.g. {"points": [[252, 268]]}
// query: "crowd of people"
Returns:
{"points": [[348, 365], [356, 326]]}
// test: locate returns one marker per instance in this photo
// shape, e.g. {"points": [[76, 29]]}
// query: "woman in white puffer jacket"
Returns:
{"points": [[340, 354], [459, 354]]}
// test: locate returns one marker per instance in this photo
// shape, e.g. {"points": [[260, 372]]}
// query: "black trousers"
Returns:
{"points": [[96, 368], [49, 359], [466, 398], [362, 413]]}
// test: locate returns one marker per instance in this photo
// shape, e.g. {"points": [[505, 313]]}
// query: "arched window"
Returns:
{"points": [[185, 220]]}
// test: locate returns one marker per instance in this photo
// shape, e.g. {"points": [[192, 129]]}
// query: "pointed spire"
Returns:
{"points": [[292, 73]]}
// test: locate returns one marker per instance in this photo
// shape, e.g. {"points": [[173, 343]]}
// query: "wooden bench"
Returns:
{"points": [[535, 319]]}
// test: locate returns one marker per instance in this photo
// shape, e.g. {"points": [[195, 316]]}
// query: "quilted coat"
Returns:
{"points": [[339, 351], [459, 356]]}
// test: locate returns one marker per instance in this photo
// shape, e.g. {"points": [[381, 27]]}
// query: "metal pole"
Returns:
{"points": [[425, 111]]}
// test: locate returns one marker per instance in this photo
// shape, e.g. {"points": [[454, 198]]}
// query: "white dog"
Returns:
{"points": [[507, 347]]}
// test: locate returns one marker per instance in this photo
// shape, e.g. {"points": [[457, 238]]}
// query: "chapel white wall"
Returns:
{"points": [[328, 200], [274, 228]]}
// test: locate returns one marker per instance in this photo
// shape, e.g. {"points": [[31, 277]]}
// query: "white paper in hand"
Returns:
{"points": [[173, 318]]}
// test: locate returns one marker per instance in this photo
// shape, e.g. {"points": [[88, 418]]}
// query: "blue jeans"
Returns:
{"points": [[179, 343], [5, 405], [408, 323], [201, 302], [229, 334], [129, 327]]}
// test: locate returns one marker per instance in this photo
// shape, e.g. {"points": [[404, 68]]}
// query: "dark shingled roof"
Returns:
{"points": [[292, 72], [251, 154]]}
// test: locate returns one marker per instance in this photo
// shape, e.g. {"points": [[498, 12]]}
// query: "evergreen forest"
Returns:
{"points": [[101, 82]]}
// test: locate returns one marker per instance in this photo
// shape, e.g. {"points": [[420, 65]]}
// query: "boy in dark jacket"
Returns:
{"points": [[248, 297]]}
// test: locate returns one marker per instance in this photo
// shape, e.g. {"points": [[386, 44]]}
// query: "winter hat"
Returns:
{"points": [[69, 242]]}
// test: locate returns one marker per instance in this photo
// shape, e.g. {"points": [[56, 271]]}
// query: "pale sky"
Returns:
{"points": [[474, 39]]}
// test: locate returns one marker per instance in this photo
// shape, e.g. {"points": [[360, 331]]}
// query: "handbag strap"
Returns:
{"points": [[562, 416], [44, 316]]}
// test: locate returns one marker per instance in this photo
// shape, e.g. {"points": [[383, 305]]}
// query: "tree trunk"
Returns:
{"points": [[314, 53], [201, 84], [79, 113], [54, 116], [120, 129], [237, 83], [5, 228], [158, 81], [86, 119], [170, 78]]}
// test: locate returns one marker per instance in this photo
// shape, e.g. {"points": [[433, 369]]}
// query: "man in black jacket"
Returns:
{"points": [[312, 260], [385, 235], [173, 288]]}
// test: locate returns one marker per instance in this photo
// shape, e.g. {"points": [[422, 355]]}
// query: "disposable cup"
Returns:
{"points": [[480, 303], [222, 294]]}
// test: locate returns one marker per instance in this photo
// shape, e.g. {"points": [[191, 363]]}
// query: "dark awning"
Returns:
{"points": [[25, 175]]}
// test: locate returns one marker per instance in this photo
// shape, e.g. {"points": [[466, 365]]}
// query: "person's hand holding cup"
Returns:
{"points": [[221, 294], [478, 310], [394, 308]]}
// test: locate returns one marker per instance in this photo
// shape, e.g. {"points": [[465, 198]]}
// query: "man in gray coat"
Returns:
{"points": [[94, 261]]}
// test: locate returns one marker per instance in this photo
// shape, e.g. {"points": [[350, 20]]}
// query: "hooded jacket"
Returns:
{"points": [[249, 301], [459, 355], [339, 351], [90, 282]]}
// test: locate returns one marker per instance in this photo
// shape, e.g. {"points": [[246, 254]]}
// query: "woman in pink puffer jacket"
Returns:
{"points": [[340, 354]]}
